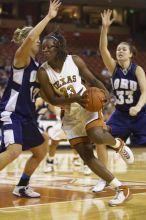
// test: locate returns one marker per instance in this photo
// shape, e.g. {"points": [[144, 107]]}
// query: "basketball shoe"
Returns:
{"points": [[76, 161], [86, 170], [49, 166], [123, 194], [101, 184], [25, 191], [125, 152]]}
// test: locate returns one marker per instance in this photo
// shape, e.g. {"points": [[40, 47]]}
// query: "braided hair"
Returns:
{"points": [[60, 43]]}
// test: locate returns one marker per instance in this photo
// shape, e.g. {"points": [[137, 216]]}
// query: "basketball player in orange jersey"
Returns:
{"points": [[129, 87], [17, 107], [61, 84]]}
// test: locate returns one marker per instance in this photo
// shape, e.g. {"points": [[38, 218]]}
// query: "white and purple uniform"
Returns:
{"points": [[41, 110], [17, 109], [127, 91]]}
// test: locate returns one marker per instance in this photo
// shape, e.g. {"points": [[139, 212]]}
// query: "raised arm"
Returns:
{"points": [[23, 52], [109, 62]]}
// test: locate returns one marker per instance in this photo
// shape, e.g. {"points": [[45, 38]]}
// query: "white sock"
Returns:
{"points": [[115, 183], [117, 145]]}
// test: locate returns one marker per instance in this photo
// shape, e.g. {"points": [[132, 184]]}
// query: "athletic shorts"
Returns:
{"points": [[123, 126], [77, 120], [16, 131], [56, 132]]}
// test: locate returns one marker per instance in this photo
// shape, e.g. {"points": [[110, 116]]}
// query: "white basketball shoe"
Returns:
{"points": [[123, 194], [125, 152]]}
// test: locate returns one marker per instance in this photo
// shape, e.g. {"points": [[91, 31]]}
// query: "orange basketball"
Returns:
{"points": [[96, 99]]}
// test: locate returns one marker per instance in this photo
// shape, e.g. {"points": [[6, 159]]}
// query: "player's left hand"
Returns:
{"points": [[54, 7], [133, 111], [83, 101]]}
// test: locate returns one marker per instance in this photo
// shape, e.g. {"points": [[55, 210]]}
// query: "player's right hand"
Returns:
{"points": [[106, 18]]}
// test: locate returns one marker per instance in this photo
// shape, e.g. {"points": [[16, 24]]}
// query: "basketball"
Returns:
{"points": [[96, 98]]}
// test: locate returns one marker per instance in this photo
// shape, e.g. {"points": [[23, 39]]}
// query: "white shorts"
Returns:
{"points": [[56, 132], [76, 119]]}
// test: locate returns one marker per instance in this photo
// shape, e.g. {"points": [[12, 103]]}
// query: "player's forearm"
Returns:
{"points": [[103, 42], [97, 83], [64, 100], [39, 28], [142, 100]]}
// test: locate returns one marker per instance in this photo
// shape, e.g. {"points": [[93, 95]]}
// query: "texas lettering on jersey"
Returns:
{"points": [[63, 81], [68, 82]]}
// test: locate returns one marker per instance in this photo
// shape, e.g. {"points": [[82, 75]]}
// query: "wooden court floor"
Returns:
{"points": [[66, 193]]}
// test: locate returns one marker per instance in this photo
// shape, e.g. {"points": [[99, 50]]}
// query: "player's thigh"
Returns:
{"points": [[32, 137], [119, 125]]}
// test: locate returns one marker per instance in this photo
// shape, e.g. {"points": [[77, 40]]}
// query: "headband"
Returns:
{"points": [[53, 37]]}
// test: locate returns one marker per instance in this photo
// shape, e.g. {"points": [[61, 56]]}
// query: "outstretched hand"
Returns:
{"points": [[106, 18], [54, 7]]}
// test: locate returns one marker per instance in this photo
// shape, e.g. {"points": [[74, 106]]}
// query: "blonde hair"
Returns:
{"points": [[20, 34]]}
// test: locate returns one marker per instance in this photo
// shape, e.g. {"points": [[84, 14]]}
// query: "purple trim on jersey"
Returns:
{"points": [[22, 91]]}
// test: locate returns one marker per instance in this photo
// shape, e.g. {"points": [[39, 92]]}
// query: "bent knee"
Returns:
{"points": [[85, 151], [96, 135]]}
